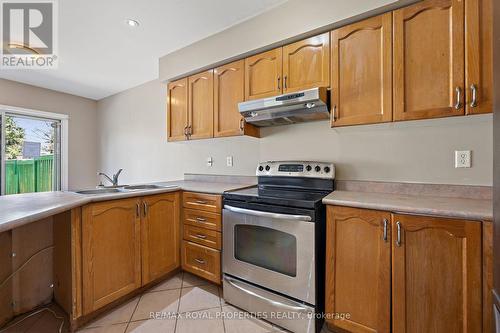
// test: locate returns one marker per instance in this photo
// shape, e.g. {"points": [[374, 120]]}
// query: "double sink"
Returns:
{"points": [[124, 189]]}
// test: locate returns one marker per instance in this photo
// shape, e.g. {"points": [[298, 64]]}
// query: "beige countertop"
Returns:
{"points": [[472, 209], [20, 209]]}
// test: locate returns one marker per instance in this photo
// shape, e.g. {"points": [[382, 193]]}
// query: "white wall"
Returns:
{"points": [[82, 162], [133, 136]]}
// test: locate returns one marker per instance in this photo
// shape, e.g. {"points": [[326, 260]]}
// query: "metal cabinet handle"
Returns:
{"points": [[200, 219], [201, 202], [284, 81], [201, 236], [145, 208], [473, 89], [458, 104], [137, 210], [200, 261], [385, 229], [242, 124], [398, 240], [279, 87], [185, 131], [335, 117]]}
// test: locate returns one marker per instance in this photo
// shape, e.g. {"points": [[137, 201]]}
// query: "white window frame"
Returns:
{"points": [[63, 118]]}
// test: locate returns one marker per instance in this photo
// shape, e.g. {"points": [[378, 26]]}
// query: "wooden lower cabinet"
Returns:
{"points": [[111, 251], [126, 244], [358, 274], [160, 235], [427, 269], [202, 238], [436, 275], [201, 260]]}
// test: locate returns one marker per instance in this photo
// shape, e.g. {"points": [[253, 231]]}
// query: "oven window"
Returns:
{"points": [[265, 247]]}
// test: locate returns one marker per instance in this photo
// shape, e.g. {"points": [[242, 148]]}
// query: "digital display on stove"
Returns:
{"points": [[291, 168]]}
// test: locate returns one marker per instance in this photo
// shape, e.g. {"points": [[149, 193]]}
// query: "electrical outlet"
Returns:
{"points": [[210, 161], [462, 158], [229, 161]]}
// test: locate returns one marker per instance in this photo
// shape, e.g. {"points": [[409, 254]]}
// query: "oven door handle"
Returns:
{"points": [[267, 214], [275, 303]]}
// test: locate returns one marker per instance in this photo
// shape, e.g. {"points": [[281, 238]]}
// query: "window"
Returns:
{"points": [[33, 150]]}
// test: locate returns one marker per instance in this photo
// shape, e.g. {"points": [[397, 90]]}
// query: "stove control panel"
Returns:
{"points": [[308, 169]]}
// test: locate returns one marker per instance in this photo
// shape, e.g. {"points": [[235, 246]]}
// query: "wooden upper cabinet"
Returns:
{"points": [[306, 64], [429, 60], [177, 110], [479, 56], [263, 74], [362, 72], [201, 105], [358, 269], [229, 90], [160, 235], [436, 275], [111, 251]]}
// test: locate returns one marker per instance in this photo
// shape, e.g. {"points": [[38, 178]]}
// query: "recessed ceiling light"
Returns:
{"points": [[132, 23]]}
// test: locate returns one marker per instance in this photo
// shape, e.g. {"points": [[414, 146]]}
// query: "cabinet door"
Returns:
{"points": [[358, 269], [362, 72], [111, 251], [201, 105], [263, 74], [306, 64], [177, 110], [479, 56], [429, 60], [160, 235], [436, 274], [229, 90]]}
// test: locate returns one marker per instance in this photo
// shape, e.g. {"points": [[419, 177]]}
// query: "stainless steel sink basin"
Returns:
{"points": [[142, 187], [99, 191]]}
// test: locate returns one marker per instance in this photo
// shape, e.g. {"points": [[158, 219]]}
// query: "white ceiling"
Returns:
{"points": [[99, 55]]}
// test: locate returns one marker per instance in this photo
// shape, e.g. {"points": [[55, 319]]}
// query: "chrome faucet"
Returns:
{"points": [[113, 180]]}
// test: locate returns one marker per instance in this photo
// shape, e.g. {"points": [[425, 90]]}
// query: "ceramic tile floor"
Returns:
{"points": [[198, 303]]}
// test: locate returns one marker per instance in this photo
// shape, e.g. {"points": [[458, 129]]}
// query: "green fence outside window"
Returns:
{"points": [[26, 176]]}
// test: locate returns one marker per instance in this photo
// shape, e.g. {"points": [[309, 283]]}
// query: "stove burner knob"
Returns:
{"points": [[327, 169], [261, 168], [268, 168], [317, 168], [308, 168]]}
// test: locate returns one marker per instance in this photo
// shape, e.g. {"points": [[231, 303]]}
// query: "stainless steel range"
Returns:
{"points": [[274, 244]]}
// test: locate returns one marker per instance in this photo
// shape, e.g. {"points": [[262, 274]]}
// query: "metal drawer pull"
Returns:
{"points": [[279, 88], [267, 214], [137, 210], [458, 104], [473, 89], [200, 219], [200, 261], [267, 300], [145, 205], [385, 229], [201, 236], [201, 202], [398, 240], [284, 81]]}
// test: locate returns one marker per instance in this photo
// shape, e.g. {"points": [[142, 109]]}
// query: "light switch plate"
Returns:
{"points": [[462, 158], [229, 161]]}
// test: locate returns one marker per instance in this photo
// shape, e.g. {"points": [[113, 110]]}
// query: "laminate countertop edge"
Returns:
{"points": [[20, 209], [461, 208]]}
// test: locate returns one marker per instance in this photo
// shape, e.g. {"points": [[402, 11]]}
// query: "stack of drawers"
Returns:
{"points": [[202, 238]]}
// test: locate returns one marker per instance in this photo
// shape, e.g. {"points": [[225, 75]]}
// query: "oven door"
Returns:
{"points": [[272, 250]]}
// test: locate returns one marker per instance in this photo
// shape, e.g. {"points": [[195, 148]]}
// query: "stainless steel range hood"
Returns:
{"points": [[306, 105]]}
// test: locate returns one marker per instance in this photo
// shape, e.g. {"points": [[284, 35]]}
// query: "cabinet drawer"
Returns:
{"points": [[202, 219], [203, 236], [201, 260], [202, 201]]}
